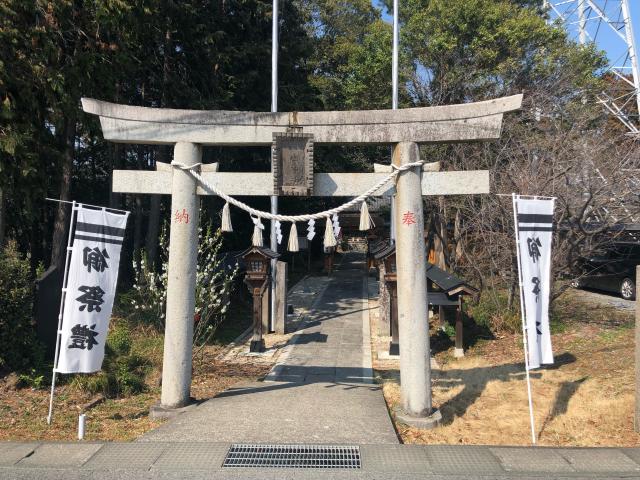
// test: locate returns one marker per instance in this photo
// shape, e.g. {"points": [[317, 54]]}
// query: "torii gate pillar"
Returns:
{"points": [[183, 256], [413, 324]]}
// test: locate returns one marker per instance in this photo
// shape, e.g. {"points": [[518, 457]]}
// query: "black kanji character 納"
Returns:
{"points": [[83, 336], [91, 298], [94, 258]]}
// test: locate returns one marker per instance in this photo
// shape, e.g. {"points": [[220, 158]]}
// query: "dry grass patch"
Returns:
{"points": [[585, 399], [23, 411], [23, 415]]}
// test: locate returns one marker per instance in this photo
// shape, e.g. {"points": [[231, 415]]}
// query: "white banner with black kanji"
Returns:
{"points": [[90, 290], [534, 233]]}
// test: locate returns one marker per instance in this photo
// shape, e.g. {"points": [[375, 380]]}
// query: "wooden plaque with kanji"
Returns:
{"points": [[293, 163]]}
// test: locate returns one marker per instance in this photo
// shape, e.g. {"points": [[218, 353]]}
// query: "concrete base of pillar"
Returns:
{"points": [[394, 349], [458, 352], [257, 346], [159, 411], [427, 422]]}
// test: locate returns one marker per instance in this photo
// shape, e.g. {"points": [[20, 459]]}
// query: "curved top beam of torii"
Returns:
{"points": [[451, 123]]}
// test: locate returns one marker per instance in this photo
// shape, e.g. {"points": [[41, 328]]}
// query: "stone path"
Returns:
{"points": [[321, 390], [334, 344]]}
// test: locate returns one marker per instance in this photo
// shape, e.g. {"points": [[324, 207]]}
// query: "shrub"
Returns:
{"points": [[492, 311], [450, 331], [122, 372], [214, 284], [33, 379], [19, 347]]}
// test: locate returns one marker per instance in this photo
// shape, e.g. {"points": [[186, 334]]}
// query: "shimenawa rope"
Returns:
{"points": [[297, 218]]}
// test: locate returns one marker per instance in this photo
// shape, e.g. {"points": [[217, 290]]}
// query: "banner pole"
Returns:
{"points": [[99, 207], [60, 312], [524, 325]]}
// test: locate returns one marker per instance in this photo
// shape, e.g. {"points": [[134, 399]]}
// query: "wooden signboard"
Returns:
{"points": [[293, 163]]}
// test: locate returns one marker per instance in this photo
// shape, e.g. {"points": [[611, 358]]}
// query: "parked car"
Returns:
{"points": [[612, 270]]}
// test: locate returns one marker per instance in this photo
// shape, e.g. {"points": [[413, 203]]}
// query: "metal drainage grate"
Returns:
{"points": [[293, 456]]}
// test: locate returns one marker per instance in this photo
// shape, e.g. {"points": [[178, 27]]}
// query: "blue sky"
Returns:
{"points": [[606, 41]]}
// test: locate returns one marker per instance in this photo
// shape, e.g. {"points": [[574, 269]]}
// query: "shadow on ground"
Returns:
{"points": [[475, 381], [472, 333]]}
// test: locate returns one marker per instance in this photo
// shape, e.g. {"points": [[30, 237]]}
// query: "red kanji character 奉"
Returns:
{"points": [[408, 218]]}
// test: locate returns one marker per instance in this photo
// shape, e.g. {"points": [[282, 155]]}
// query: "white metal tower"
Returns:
{"points": [[608, 24]]}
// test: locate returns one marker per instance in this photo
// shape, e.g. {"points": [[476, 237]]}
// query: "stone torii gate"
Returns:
{"points": [[190, 130]]}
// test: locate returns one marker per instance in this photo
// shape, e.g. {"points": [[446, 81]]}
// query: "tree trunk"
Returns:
{"points": [[138, 216], [59, 242], [153, 226], [117, 151], [459, 252], [153, 230], [37, 241], [513, 275], [2, 217], [164, 155], [137, 231], [440, 237]]}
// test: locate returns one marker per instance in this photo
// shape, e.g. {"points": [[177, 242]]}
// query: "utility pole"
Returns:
{"points": [[636, 418], [394, 101], [394, 57], [274, 198]]}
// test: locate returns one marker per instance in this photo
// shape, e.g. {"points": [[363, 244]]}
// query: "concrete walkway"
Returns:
{"points": [[202, 460], [321, 391]]}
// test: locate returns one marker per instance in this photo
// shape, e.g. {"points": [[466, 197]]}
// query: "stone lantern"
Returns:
{"points": [[257, 262], [387, 256]]}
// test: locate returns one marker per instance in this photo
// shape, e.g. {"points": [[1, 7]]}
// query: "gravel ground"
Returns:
{"points": [[604, 298]]}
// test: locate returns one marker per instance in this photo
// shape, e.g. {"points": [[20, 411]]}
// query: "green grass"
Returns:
{"points": [[612, 335]]}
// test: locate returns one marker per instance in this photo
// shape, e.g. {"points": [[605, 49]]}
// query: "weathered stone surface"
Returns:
{"points": [[324, 184], [427, 167], [415, 370], [183, 256], [279, 323], [452, 123], [266, 310]]}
